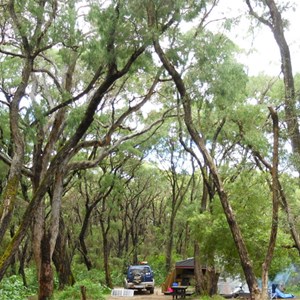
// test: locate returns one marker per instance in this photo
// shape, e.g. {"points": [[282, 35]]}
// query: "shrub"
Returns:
{"points": [[94, 291], [12, 288]]}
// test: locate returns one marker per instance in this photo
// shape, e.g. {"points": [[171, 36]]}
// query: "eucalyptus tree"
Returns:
{"points": [[271, 14], [70, 72], [216, 94]]}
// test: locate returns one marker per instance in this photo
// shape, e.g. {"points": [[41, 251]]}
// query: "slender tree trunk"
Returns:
{"points": [[62, 260], [105, 226], [286, 65], [290, 219], [275, 23], [275, 201], [22, 260], [197, 138], [82, 235], [170, 241], [46, 249], [106, 252], [9, 196], [199, 278], [135, 243]]}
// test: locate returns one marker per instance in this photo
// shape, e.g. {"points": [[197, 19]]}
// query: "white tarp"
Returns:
{"points": [[122, 293]]}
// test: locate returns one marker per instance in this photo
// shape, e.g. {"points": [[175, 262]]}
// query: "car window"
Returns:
{"points": [[140, 270]]}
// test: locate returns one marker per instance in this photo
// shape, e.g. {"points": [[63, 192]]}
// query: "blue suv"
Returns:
{"points": [[139, 278]]}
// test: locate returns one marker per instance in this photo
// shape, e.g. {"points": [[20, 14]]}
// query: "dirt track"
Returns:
{"points": [[158, 295]]}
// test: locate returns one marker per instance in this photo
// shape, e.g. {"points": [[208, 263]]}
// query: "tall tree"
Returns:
{"points": [[55, 93], [198, 138], [272, 18]]}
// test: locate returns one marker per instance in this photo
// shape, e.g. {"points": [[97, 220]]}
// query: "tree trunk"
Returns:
{"points": [[46, 273], [82, 235], [275, 23], [62, 260], [22, 260], [275, 201], [170, 241], [17, 141], [83, 292], [106, 250], [135, 243], [286, 65], [211, 280], [199, 278]]}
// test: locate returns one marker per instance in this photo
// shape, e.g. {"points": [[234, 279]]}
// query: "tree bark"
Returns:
{"points": [[83, 248], [276, 25], [105, 227], [17, 140], [46, 273], [286, 65], [199, 278], [62, 259], [22, 260], [83, 292], [275, 206]]}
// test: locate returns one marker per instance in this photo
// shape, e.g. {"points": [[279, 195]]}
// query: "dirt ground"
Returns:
{"points": [[157, 295]]}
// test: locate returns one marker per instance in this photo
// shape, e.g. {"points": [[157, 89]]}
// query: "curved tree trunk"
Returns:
{"points": [[106, 248], [275, 23], [10, 192], [275, 201], [83, 248], [22, 260], [197, 138]]}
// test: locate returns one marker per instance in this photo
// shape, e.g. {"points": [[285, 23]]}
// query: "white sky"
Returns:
{"points": [[265, 56]]}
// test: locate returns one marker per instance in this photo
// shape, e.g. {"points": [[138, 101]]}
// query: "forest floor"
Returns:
{"points": [[157, 295]]}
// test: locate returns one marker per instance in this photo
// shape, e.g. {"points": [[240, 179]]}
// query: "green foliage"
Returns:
{"points": [[157, 263], [93, 291], [10, 71], [12, 288]]}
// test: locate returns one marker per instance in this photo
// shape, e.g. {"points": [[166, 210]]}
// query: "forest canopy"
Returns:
{"points": [[131, 130]]}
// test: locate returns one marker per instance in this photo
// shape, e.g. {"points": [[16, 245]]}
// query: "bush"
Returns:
{"points": [[12, 288], [94, 291]]}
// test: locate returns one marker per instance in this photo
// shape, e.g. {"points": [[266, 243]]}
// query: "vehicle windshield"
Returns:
{"points": [[143, 270]]}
